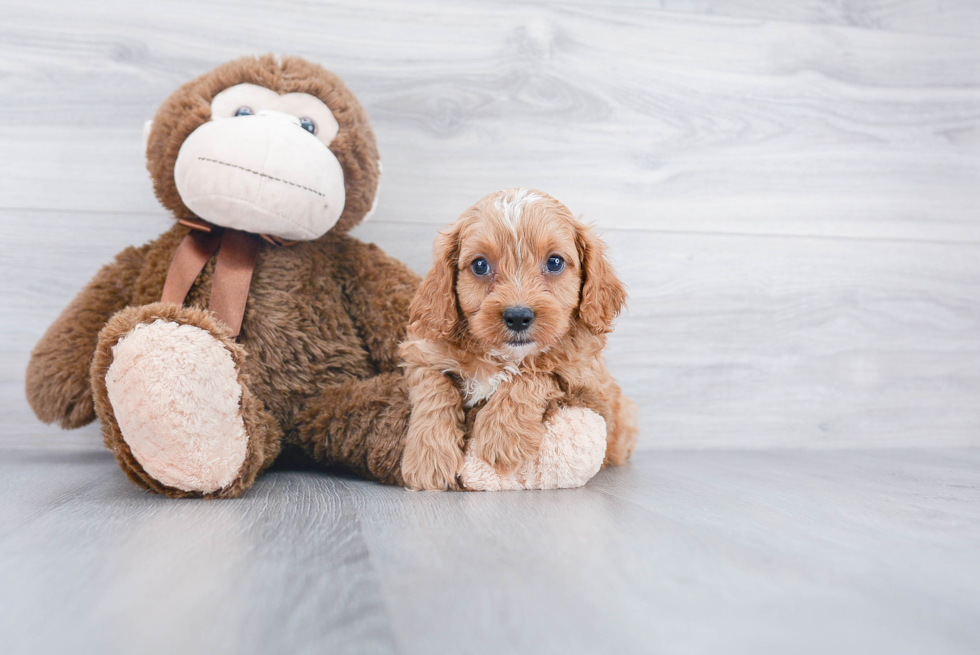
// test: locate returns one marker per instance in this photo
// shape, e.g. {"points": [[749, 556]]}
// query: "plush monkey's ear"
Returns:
{"points": [[377, 194], [603, 295], [147, 128], [433, 314]]}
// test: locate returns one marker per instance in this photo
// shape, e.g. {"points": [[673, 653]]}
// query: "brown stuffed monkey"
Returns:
{"points": [[266, 165]]}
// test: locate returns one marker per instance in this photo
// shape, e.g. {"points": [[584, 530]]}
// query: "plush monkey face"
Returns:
{"points": [[263, 164], [266, 146]]}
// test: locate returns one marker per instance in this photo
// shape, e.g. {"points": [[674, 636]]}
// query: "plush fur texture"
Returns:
{"points": [[319, 313], [458, 340], [58, 387]]}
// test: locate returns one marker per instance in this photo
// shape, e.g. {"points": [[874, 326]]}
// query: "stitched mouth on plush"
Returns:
{"points": [[261, 173]]}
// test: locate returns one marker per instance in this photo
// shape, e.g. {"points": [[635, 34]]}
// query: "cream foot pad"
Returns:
{"points": [[175, 394], [572, 451]]}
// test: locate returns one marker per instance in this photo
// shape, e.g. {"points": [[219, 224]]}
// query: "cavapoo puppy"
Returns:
{"points": [[512, 319]]}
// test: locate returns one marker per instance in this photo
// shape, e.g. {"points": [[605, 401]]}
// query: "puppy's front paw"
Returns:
{"points": [[504, 447], [432, 468]]}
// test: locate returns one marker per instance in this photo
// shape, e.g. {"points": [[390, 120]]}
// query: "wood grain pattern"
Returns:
{"points": [[133, 571], [681, 552], [635, 117], [960, 17]]}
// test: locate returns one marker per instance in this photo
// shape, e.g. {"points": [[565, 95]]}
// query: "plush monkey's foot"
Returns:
{"points": [[571, 453], [174, 405]]}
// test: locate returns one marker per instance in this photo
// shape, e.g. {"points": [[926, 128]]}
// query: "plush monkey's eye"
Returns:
{"points": [[244, 111], [480, 267], [555, 264], [308, 125]]}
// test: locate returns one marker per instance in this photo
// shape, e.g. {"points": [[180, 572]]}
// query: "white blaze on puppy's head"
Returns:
{"points": [[511, 204]]}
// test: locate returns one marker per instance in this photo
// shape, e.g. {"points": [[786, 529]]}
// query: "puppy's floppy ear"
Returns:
{"points": [[433, 314], [603, 295]]}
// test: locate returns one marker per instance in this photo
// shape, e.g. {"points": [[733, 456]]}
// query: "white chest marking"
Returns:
{"points": [[477, 389]]}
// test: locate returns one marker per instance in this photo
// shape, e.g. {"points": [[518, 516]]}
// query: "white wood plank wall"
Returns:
{"points": [[790, 190]]}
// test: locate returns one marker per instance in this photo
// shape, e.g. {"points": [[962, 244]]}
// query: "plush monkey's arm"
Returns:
{"points": [[379, 290], [58, 386]]}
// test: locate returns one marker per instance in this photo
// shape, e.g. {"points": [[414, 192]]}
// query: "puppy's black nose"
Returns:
{"points": [[518, 319]]}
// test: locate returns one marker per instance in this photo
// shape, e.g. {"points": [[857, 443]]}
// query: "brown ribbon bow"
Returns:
{"points": [[232, 271]]}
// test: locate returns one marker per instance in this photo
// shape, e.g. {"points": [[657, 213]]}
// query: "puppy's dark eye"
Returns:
{"points": [[308, 125], [555, 264], [244, 111], [480, 267]]}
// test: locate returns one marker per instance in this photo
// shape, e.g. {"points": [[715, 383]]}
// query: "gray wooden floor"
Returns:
{"points": [[791, 192], [789, 551]]}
